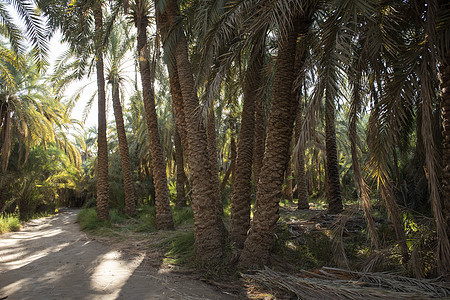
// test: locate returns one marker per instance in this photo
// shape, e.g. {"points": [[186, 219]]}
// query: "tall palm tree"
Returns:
{"points": [[117, 51], [207, 228], [299, 159], [102, 154], [163, 213], [279, 133], [181, 176], [240, 199]]}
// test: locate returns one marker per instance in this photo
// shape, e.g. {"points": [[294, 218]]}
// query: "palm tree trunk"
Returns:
{"points": [[334, 187], [102, 155], [163, 213], [179, 161], [232, 167], [444, 76], [208, 233], [212, 151], [242, 188], [130, 198], [259, 140], [302, 188], [287, 193], [177, 103], [442, 255], [279, 134]]}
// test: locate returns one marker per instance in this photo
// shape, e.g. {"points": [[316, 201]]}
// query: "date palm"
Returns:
{"points": [[30, 116], [279, 133], [81, 23], [118, 47], [147, 65], [207, 228]]}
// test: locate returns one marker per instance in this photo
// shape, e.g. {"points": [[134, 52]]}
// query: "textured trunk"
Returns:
{"points": [[319, 175], [179, 161], [102, 154], [232, 167], [287, 193], [444, 76], [177, 103], [242, 188], [3, 197], [279, 133], [302, 188], [208, 232], [163, 213], [130, 198], [212, 152], [333, 189], [360, 183], [6, 141], [259, 140], [442, 254]]}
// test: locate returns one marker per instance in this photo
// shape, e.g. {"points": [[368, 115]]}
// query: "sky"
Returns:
{"points": [[128, 71], [57, 48]]}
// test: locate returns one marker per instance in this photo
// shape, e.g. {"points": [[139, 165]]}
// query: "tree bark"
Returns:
{"points": [[232, 167], [208, 233], [179, 161], [444, 77], [163, 213], [333, 190], [279, 133], [212, 152], [130, 198], [287, 193], [302, 187], [259, 140], [242, 188], [102, 154]]}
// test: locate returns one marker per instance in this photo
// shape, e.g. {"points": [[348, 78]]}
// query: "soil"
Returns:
{"points": [[50, 258]]}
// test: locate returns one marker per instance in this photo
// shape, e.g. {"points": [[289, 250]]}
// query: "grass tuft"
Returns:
{"points": [[88, 220], [183, 216], [9, 223], [181, 249]]}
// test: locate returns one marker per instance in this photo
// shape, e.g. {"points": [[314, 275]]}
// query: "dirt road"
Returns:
{"points": [[51, 259]]}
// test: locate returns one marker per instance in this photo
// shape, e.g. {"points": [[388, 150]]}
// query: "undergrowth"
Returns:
{"points": [[9, 223]]}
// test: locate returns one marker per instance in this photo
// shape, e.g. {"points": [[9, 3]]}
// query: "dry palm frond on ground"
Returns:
{"points": [[333, 283]]}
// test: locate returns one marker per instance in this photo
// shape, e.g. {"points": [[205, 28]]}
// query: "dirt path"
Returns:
{"points": [[51, 259]]}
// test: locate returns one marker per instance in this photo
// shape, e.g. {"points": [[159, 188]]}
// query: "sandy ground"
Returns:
{"points": [[51, 259]]}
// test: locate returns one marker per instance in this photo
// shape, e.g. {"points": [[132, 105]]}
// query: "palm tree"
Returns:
{"points": [[181, 176], [299, 159], [240, 199], [102, 154], [163, 213], [35, 27], [207, 229], [117, 52], [444, 77], [31, 117], [279, 133]]}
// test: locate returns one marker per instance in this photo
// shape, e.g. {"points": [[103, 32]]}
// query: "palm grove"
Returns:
{"points": [[237, 103]]}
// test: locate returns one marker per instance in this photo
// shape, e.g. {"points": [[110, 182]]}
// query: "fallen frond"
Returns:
{"points": [[334, 283]]}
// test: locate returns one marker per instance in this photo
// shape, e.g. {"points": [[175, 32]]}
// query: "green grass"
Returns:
{"points": [[183, 216], [144, 222], [88, 220], [181, 249], [9, 223]]}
